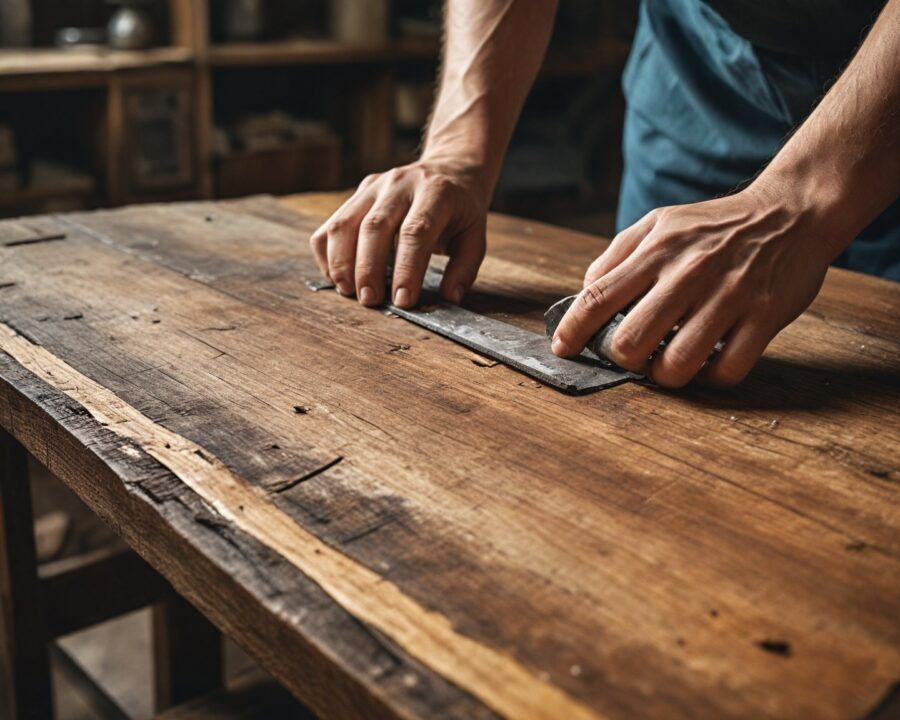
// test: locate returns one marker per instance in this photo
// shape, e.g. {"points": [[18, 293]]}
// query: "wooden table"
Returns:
{"points": [[394, 526]]}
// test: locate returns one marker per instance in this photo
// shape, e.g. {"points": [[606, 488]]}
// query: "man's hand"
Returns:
{"points": [[439, 204], [736, 269], [740, 268], [430, 207]]}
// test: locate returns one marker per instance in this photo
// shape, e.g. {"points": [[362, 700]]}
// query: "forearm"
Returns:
{"points": [[493, 50], [843, 163]]}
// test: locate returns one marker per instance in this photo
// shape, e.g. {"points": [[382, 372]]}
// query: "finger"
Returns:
{"points": [[691, 347], [466, 255], [645, 327], [596, 304], [376, 238], [343, 233], [419, 234], [620, 248], [318, 243], [743, 347]]}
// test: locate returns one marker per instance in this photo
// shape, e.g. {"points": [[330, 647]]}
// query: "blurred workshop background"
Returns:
{"points": [[110, 102]]}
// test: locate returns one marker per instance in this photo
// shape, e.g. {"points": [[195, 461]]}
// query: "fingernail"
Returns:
{"points": [[559, 347], [344, 289], [367, 296], [457, 295], [402, 297]]}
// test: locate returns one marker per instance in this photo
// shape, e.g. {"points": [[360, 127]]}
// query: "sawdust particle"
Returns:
{"points": [[301, 409]]}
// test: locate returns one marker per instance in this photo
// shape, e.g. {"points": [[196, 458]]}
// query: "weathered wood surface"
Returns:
{"points": [[391, 527]]}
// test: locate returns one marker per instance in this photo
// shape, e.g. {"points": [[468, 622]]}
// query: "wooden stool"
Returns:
{"points": [[251, 696], [40, 604]]}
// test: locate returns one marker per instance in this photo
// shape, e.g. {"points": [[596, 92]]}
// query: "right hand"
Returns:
{"points": [[430, 207]]}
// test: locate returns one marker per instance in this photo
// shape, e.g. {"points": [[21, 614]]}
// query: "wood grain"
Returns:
{"points": [[496, 679], [634, 553]]}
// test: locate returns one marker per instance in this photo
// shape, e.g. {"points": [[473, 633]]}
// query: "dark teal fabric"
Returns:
{"points": [[706, 110]]}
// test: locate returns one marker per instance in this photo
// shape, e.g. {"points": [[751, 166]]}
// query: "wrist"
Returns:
{"points": [[464, 163], [816, 202]]}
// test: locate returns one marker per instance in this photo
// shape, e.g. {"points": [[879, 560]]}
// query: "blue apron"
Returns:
{"points": [[706, 110]]}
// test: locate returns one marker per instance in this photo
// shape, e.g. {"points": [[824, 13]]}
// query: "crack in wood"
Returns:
{"points": [[19, 330], [286, 485], [35, 240]]}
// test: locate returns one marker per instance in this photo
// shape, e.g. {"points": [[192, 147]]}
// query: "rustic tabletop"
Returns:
{"points": [[395, 526]]}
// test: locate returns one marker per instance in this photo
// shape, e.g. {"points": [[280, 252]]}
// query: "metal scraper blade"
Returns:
{"points": [[519, 349]]}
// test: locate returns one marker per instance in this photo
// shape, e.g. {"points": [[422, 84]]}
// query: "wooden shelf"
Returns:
{"points": [[27, 199], [41, 68], [318, 52]]}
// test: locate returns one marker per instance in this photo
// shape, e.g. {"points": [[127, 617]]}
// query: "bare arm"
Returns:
{"points": [[741, 268], [845, 158], [492, 52]]}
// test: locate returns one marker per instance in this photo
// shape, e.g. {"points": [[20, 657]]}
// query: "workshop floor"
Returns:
{"points": [[117, 654]]}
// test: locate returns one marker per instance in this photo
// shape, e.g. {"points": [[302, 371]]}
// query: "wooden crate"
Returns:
{"points": [[306, 165]]}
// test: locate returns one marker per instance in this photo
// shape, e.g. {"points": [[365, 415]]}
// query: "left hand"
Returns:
{"points": [[736, 269]]}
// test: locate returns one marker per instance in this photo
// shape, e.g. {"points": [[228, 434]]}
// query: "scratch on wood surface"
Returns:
{"points": [[368, 531], [491, 675]]}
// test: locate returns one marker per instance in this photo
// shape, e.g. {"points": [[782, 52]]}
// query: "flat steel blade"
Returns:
{"points": [[519, 349]]}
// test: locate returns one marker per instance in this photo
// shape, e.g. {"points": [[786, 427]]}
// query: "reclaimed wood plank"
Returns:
{"points": [[328, 659], [648, 554]]}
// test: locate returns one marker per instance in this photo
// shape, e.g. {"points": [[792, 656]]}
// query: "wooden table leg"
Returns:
{"points": [[25, 684], [188, 653]]}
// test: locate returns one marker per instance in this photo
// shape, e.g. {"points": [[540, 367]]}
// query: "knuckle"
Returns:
{"points": [[336, 225], [593, 297], [697, 267], [369, 179], [375, 223], [625, 346], [416, 230], [662, 214], [441, 184]]}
